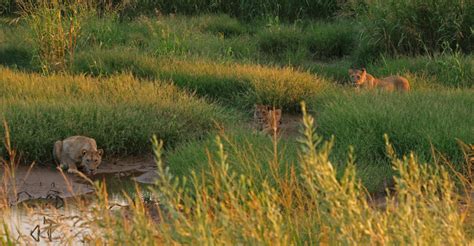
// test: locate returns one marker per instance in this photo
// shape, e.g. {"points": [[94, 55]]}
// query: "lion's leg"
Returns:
{"points": [[72, 168], [58, 145]]}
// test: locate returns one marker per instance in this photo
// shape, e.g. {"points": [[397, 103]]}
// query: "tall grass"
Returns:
{"points": [[331, 40], [247, 152], [417, 27], [121, 113], [283, 9], [316, 207], [56, 27], [7, 7], [446, 70]]}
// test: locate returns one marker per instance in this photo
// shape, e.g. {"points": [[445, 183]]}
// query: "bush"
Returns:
{"points": [[121, 113]]}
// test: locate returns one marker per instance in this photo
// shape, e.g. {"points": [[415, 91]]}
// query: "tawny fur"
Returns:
{"points": [[78, 151], [362, 79], [267, 118]]}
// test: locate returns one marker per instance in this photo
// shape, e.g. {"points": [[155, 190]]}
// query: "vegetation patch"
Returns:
{"points": [[414, 27], [121, 113], [223, 25], [331, 40], [236, 84], [416, 121]]}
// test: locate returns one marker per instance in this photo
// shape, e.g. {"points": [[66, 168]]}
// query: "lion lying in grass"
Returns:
{"points": [[362, 79]]}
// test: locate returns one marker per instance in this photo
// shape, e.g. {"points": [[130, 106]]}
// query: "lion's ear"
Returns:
{"points": [[84, 152], [351, 71], [100, 151]]}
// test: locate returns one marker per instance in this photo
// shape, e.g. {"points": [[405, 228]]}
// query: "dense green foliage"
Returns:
{"points": [[418, 27]]}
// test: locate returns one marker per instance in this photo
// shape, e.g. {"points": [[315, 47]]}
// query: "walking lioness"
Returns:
{"points": [[78, 151], [362, 79]]}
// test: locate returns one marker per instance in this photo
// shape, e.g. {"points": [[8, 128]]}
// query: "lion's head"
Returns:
{"points": [[91, 160]]}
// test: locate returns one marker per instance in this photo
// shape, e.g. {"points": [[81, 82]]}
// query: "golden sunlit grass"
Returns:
{"points": [[119, 112], [233, 83]]}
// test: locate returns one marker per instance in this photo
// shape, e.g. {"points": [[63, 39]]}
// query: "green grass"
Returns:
{"points": [[121, 113], [412, 27], [449, 70], [249, 153], [331, 40], [415, 121], [253, 155], [224, 26]]}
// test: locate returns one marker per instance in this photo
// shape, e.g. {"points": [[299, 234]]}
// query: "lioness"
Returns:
{"points": [[362, 79], [267, 118], [78, 151]]}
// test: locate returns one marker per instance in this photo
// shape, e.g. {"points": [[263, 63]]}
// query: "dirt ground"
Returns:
{"points": [[39, 182]]}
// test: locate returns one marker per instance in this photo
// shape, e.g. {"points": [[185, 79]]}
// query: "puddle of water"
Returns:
{"points": [[46, 205]]}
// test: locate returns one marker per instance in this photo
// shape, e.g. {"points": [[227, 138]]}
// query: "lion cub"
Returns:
{"points": [[267, 118], [362, 79], [78, 151]]}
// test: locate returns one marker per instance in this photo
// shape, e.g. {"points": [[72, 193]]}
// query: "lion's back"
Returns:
{"points": [[72, 146], [398, 82]]}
